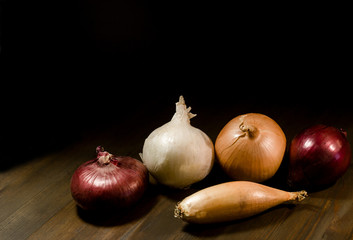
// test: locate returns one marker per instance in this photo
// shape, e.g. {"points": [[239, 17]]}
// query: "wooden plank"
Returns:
{"points": [[35, 176], [39, 191], [80, 224], [35, 198]]}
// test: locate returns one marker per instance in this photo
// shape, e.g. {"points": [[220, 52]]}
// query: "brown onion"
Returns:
{"points": [[109, 182], [251, 147]]}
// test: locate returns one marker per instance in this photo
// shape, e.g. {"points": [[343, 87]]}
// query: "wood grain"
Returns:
{"points": [[35, 199]]}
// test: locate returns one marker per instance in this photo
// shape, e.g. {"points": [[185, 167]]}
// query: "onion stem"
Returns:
{"points": [[298, 196], [182, 112], [104, 158], [251, 130]]}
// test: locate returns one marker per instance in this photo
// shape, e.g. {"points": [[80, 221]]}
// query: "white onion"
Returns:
{"points": [[178, 154]]}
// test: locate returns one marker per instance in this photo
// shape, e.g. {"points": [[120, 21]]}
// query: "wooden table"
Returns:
{"points": [[80, 74], [35, 199]]}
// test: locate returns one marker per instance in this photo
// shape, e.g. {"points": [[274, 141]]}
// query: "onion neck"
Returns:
{"points": [[104, 159], [250, 130], [183, 113], [103, 156], [297, 196], [343, 132]]}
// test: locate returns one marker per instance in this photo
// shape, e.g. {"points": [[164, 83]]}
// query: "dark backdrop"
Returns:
{"points": [[71, 66]]}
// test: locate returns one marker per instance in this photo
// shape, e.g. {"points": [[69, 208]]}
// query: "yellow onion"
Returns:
{"points": [[251, 147]]}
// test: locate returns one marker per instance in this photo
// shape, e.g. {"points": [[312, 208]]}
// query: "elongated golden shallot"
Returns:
{"points": [[232, 200]]}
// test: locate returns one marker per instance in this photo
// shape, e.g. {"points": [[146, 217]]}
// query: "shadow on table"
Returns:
{"points": [[241, 225], [250, 224], [120, 216]]}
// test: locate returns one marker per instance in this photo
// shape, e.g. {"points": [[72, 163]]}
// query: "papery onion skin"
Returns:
{"points": [[318, 157], [231, 201], [177, 154], [118, 182], [251, 147]]}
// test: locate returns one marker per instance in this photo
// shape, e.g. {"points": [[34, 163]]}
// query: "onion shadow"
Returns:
{"points": [[216, 229], [115, 217], [248, 224], [216, 176]]}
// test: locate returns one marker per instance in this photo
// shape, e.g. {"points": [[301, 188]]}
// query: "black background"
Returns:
{"points": [[71, 66]]}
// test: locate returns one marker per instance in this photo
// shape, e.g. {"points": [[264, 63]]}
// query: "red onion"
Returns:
{"points": [[318, 157], [109, 182]]}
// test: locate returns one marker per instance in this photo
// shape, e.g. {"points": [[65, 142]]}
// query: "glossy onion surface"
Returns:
{"points": [[109, 182], [319, 155], [251, 147]]}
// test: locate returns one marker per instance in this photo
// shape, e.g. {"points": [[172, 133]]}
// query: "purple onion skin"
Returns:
{"points": [[114, 185], [318, 157]]}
